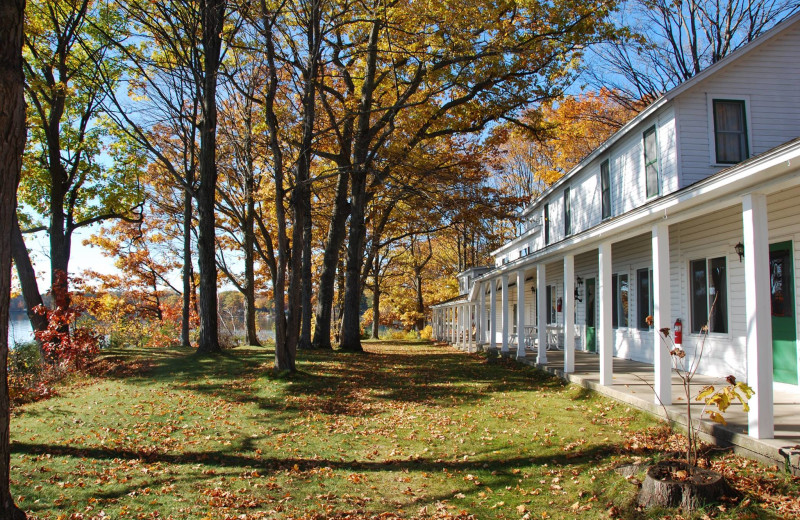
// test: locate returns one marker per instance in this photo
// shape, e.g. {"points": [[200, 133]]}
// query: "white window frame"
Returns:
{"points": [[607, 161], [619, 300], [707, 254], [654, 129], [712, 138], [635, 285]]}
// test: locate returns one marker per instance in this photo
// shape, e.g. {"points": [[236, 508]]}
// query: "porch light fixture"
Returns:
{"points": [[739, 248], [578, 285]]}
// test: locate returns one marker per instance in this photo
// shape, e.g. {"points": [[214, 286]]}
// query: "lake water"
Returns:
{"points": [[19, 329]]}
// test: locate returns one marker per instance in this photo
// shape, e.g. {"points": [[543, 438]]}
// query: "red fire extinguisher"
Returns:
{"points": [[678, 332]]}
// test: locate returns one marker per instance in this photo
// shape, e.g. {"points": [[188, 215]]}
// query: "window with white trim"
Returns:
{"points": [[551, 302], [709, 294], [605, 189], [546, 224], [644, 297], [619, 300], [730, 131], [650, 145]]}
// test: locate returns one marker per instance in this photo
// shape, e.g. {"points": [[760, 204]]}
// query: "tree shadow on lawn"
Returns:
{"points": [[335, 383], [207, 466], [236, 460]]}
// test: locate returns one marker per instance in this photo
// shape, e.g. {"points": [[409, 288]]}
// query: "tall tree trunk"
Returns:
{"points": [[420, 303], [330, 259], [27, 278], [300, 285], [12, 144], [351, 329], [188, 271], [376, 304], [285, 353], [249, 270], [351, 314], [60, 238], [295, 269], [341, 274], [307, 314], [212, 17]]}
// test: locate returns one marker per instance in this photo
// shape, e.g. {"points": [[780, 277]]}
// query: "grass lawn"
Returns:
{"points": [[405, 430]]}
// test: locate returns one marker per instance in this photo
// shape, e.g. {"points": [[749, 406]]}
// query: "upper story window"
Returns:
{"points": [[605, 189], [650, 144], [567, 214], [546, 224], [730, 131]]}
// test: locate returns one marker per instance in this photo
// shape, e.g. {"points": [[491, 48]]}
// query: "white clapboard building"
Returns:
{"points": [[690, 212]]}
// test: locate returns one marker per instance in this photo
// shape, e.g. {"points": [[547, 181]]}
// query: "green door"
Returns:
{"points": [[784, 333], [591, 312]]}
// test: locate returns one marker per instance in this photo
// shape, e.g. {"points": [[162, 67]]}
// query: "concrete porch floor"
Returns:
{"points": [[632, 384]]}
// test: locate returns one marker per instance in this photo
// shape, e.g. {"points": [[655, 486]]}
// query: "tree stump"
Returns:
{"points": [[673, 483]]}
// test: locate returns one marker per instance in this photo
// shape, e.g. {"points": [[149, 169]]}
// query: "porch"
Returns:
{"points": [[632, 383]]}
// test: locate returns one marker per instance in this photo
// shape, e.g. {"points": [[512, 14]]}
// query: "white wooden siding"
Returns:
{"points": [[627, 257], [770, 77], [626, 175], [711, 236]]}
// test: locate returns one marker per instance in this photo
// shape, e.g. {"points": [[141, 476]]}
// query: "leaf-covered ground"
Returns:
{"points": [[407, 430]]}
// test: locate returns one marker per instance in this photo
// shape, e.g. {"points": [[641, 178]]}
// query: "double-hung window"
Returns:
{"points": [[514, 319], [546, 224], [709, 296], [605, 189], [551, 303], [644, 298], [619, 300], [730, 131], [567, 214], [650, 161]]}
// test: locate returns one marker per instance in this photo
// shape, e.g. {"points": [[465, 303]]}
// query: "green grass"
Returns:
{"points": [[407, 428]]}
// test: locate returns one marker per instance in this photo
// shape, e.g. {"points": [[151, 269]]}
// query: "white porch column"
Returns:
{"points": [[569, 314], [542, 309], [761, 418], [462, 335], [493, 313], [504, 289], [480, 321], [467, 324], [452, 320], [606, 335], [520, 314], [662, 314], [453, 324], [470, 317]]}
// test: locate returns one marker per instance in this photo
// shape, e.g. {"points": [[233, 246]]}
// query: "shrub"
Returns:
{"points": [[29, 377], [426, 333], [398, 334], [62, 341], [25, 358]]}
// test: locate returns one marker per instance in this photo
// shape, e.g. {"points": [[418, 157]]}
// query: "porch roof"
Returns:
{"points": [[771, 171]]}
